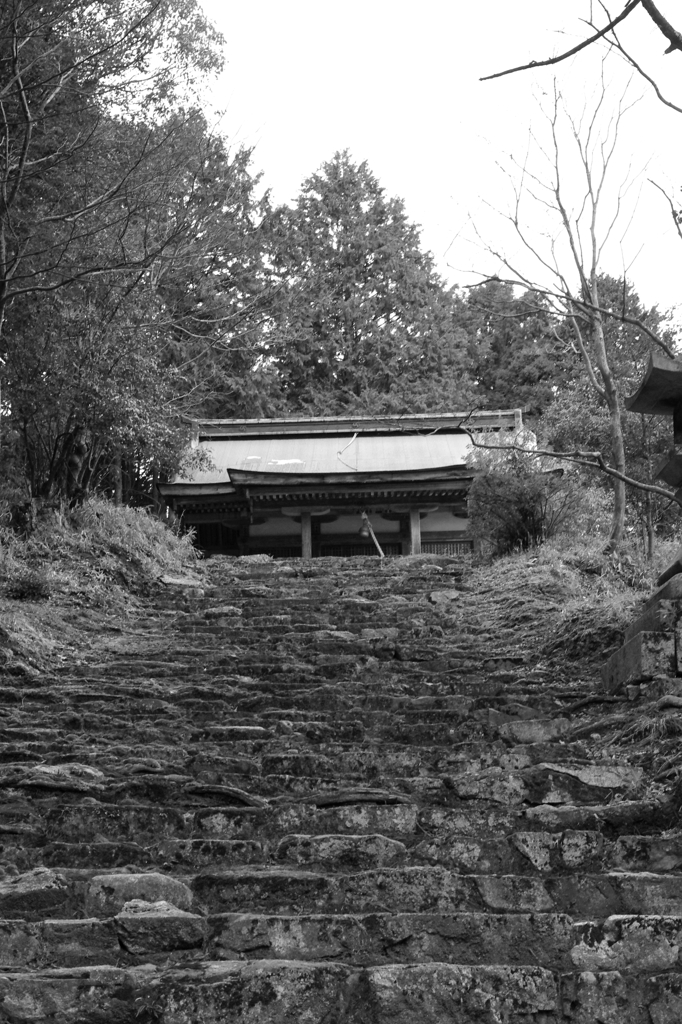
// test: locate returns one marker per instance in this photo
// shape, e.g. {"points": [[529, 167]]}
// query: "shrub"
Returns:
{"points": [[26, 584], [515, 507]]}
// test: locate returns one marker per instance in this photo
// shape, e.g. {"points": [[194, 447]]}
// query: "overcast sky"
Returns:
{"points": [[397, 84]]}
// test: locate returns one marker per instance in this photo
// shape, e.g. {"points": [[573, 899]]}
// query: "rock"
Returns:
{"points": [[223, 611], [108, 894], [537, 730], [625, 943], [81, 778], [159, 926], [33, 895], [439, 993], [342, 852], [443, 598]]}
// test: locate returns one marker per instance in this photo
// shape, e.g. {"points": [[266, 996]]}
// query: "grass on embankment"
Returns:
{"points": [[565, 597], [80, 574], [563, 607]]}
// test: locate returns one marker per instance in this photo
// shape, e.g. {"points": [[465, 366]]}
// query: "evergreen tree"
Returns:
{"points": [[518, 358], [360, 318]]}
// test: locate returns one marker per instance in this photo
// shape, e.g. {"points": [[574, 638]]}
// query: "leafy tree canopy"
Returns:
{"points": [[360, 318]]}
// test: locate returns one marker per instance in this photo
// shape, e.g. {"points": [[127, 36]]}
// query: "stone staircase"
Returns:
{"points": [[325, 792]]}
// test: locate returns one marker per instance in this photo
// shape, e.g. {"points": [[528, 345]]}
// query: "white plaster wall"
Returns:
{"points": [[443, 522], [277, 526], [351, 524]]}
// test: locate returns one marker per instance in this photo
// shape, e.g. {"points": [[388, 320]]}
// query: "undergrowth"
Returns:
{"points": [[97, 550], [564, 598], [80, 575]]}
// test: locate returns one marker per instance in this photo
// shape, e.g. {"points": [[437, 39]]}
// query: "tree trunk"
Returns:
{"points": [[649, 528], [616, 427], [118, 479]]}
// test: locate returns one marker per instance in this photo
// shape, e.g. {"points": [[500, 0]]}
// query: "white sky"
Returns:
{"points": [[397, 84]]}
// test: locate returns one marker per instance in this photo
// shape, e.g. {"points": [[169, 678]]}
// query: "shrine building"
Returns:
{"points": [[310, 487]]}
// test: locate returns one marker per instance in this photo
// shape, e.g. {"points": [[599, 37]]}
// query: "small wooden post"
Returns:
{"points": [[306, 535], [415, 532]]}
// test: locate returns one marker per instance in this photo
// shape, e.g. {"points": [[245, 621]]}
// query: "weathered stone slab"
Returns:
{"points": [[444, 993], [572, 849], [645, 853], [198, 853], [264, 992], [146, 927], [549, 783], [670, 591], [20, 944], [34, 895], [65, 995], [645, 657], [107, 894], [341, 852], [659, 617], [538, 730], [354, 818], [642, 945], [78, 943], [469, 938], [615, 998]]}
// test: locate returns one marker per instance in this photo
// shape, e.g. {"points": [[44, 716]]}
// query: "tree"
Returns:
{"points": [[568, 255], [89, 387], [517, 358], [113, 193], [217, 297], [360, 318], [576, 420], [83, 91]]}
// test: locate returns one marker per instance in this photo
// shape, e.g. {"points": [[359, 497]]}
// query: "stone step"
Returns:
{"points": [[142, 931], [332, 791], [379, 938], [68, 893], [396, 816], [419, 890], [521, 853], [142, 823], [229, 992]]}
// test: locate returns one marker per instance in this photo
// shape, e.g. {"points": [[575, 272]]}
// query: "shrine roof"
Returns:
{"points": [[338, 426], [325, 456], [661, 387]]}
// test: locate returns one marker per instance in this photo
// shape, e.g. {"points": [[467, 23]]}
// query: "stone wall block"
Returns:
{"points": [[645, 657]]}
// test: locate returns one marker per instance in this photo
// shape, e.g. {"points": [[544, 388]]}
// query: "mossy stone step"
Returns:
{"points": [[242, 993]]}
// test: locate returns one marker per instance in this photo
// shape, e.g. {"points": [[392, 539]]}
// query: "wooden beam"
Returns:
{"points": [[341, 426], [306, 535], [415, 532]]}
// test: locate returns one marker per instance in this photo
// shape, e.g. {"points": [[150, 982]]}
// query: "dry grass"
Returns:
{"points": [[79, 575], [560, 602]]}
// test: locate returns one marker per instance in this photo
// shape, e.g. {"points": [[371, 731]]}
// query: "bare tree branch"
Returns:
{"points": [[675, 213], [590, 460], [575, 49], [672, 35], [616, 44]]}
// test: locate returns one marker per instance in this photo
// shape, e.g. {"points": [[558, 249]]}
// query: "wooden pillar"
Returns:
{"points": [[243, 541], [415, 532], [306, 535], [405, 534]]}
